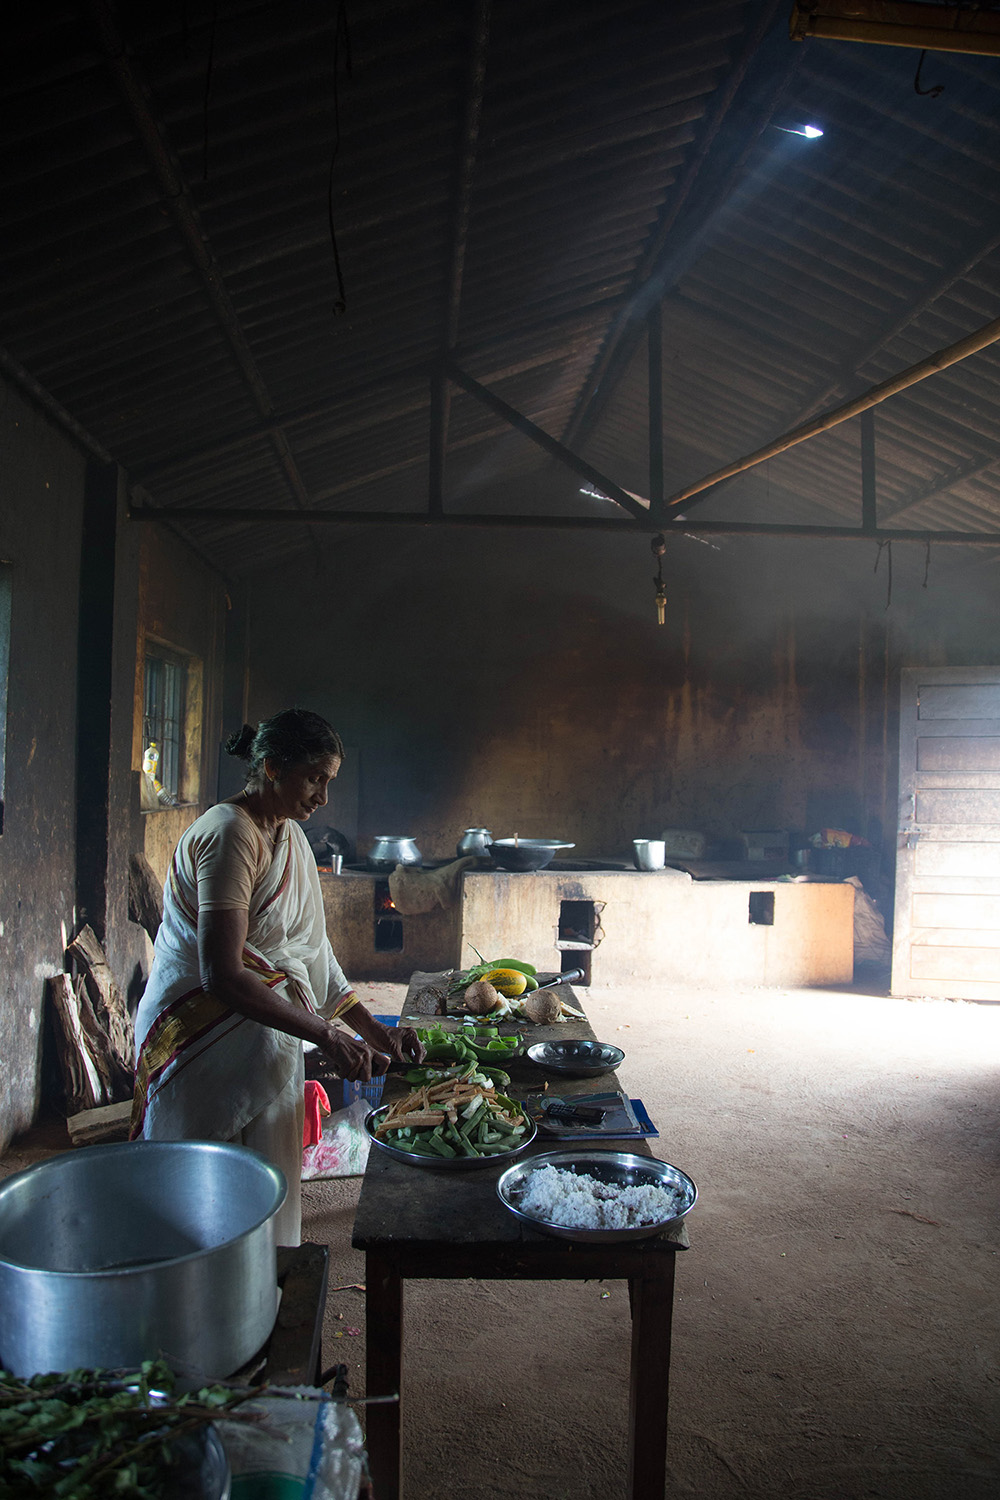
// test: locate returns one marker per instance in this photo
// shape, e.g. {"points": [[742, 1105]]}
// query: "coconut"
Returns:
{"points": [[542, 1007], [481, 998]]}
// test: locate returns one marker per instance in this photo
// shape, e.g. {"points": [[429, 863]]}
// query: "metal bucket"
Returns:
{"points": [[114, 1254]]}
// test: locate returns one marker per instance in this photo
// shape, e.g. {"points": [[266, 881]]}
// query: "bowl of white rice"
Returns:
{"points": [[597, 1196]]}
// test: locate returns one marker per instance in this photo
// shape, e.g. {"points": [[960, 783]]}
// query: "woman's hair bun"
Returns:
{"points": [[239, 744], [292, 736]]}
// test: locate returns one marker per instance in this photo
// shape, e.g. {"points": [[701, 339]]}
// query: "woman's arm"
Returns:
{"points": [[221, 936]]}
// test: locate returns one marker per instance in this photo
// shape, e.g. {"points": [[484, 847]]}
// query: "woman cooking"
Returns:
{"points": [[243, 972]]}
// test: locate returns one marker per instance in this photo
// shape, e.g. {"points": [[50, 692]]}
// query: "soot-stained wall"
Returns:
{"points": [[42, 483], [86, 587], [182, 604], [518, 679]]}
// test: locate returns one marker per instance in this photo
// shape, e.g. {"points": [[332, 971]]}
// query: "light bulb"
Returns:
{"points": [[811, 132]]}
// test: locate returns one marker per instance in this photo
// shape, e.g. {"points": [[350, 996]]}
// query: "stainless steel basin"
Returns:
{"points": [[115, 1254]]}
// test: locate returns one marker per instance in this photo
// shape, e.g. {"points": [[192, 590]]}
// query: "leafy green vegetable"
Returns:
{"points": [[88, 1434]]}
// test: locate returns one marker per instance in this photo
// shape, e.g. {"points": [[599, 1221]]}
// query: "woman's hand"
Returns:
{"points": [[400, 1042], [352, 1059]]}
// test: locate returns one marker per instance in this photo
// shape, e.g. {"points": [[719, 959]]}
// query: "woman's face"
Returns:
{"points": [[301, 789]]}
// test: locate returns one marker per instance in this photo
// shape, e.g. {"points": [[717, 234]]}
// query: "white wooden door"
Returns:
{"points": [[946, 940]]}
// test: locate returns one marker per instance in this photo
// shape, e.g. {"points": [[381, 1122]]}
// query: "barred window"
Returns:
{"points": [[164, 708]]}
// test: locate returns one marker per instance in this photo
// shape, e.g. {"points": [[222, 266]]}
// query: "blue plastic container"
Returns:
{"points": [[372, 1092]]}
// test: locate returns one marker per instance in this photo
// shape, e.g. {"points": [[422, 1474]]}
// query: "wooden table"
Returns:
{"points": [[416, 1223]]}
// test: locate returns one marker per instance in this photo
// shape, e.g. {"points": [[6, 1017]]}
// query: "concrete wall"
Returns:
{"points": [[518, 680], [41, 484], [182, 603], [85, 587]]}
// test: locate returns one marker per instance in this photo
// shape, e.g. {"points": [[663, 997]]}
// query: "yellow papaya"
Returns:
{"points": [[507, 982]]}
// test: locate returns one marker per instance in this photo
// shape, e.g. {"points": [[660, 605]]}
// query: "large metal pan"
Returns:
{"points": [[115, 1254], [525, 854]]}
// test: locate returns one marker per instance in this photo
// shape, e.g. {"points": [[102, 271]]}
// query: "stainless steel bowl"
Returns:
{"points": [[200, 1467], [195, 1465], [447, 1163], [576, 1059], [116, 1254], [620, 1167]]}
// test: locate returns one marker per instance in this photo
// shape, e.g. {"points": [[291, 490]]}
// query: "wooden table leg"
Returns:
{"points": [[384, 1333], [652, 1301]]}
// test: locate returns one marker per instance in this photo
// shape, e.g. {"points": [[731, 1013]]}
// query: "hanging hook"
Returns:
{"points": [[878, 559], [658, 546], [935, 90]]}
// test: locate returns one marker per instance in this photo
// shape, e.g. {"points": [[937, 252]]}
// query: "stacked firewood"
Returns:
{"points": [[94, 1035]]}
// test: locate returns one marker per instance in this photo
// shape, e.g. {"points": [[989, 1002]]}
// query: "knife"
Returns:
{"points": [[567, 978], [573, 1114]]}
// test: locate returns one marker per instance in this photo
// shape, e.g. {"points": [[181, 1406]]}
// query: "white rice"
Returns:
{"points": [[575, 1200]]}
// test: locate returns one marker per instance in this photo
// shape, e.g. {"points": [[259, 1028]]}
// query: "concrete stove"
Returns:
{"points": [[621, 926]]}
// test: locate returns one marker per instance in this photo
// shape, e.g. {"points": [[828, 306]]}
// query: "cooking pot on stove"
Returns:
{"points": [[392, 849], [115, 1254], [475, 841], [526, 854]]}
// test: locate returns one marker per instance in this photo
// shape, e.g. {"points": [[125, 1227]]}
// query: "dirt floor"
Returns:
{"points": [[835, 1335]]}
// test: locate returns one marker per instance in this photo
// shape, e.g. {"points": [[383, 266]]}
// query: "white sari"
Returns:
{"points": [[204, 1071]]}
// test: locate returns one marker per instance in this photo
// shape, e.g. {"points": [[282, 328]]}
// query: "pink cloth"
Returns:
{"points": [[317, 1105]]}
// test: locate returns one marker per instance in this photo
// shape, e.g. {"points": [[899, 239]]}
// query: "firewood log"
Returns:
{"points": [[145, 895], [110, 1010], [81, 1077]]}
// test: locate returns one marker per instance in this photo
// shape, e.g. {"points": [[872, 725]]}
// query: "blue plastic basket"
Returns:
{"points": [[352, 1092], [371, 1092]]}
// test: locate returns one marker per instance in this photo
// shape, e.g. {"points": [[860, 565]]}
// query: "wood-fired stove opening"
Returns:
{"points": [[761, 908], [388, 923], [579, 933]]}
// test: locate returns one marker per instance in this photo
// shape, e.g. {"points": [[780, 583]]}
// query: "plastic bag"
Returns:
{"points": [[343, 1150], [311, 1447], [871, 943]]}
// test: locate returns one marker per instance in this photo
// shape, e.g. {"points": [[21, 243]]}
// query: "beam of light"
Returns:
{"points": [[811, 132]]}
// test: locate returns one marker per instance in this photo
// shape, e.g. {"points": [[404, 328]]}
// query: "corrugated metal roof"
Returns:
{"points": [[517, 182]]}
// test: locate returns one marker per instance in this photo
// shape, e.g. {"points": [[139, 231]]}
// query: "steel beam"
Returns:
{"points": [[869, 499], [550, 444], [641, 526], [654, 346]]}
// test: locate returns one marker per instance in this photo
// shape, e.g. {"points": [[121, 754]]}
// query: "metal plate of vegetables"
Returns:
{"points": [[452, 1125]]}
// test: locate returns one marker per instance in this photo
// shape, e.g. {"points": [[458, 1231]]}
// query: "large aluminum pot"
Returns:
{"points": [[114, 1254], [392, 849]]}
